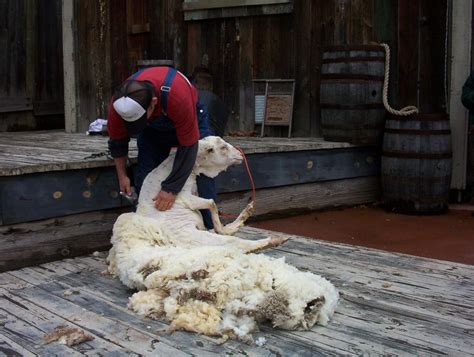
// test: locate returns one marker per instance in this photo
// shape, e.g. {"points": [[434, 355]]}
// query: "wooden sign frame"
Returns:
{"points": [[278, 105]]}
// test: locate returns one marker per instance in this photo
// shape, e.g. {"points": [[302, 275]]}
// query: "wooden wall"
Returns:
{"points": [[31, 89], [112, 35], [238, 50]]}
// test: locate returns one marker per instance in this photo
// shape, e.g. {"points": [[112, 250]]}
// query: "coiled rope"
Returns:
{"points": [[409, 110]]}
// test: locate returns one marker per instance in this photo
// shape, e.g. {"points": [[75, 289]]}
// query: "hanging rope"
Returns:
{"points": [[249, 173], [409, 110]]}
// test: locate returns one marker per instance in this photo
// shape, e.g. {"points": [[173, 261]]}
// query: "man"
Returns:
{"points": [[159, 107]]}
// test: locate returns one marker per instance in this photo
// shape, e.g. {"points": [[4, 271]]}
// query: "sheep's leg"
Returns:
{"points": [[205, 238], [238, 223], [197, 203]]}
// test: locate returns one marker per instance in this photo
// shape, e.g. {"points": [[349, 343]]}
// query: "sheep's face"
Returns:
{"points": [[289, 314], [298, 301], [311, 299], [215, 155]]}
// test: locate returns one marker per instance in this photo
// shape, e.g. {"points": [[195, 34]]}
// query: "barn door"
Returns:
{"points": [[49, 87], [15, 90], [31, 89]]}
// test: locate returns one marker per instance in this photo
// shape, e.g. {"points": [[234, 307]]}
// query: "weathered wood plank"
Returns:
{"points": [[109, 302], [246, 93], [408, 52], [390, 303], [10, 348], [56, 151], [277, 344], [417, 276], [433, 52], [385, 30], [280, 169], [58, 194], [424, 267], [37, 242], [302, 122], [118, 337], [299, 198]]}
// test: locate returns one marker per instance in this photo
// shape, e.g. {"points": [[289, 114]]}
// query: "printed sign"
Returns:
{"points": [[279, 108]]}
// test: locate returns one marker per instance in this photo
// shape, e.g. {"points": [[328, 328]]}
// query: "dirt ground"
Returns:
{"points": [[448, 236]]}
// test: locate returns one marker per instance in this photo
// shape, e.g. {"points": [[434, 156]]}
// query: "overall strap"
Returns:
{"points": [[165, 89], [135, 75]]}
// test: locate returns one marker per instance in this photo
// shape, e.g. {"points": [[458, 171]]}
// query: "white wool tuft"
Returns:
{"points": [[203, 281]]}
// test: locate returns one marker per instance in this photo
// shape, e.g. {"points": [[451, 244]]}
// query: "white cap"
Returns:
{"points": [[130, 110]]}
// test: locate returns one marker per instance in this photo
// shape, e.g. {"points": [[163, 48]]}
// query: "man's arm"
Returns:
{"points": [[124, 180], [182, 167]]}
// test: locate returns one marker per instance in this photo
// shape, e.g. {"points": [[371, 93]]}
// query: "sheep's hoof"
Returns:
{"points": [[276, 241], [250, 208]]}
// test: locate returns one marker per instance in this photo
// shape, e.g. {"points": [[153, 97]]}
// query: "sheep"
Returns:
{"points": [[210, 282]]}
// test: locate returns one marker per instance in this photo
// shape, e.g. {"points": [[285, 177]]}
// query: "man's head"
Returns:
{"points": [[135, 102]]}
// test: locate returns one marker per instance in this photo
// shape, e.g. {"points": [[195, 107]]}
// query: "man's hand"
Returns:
{"points": [[124, 183], [164, 200]]}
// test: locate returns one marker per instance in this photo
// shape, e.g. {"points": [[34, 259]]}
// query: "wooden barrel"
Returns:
{"points": [[417, 163], [351, 94]]}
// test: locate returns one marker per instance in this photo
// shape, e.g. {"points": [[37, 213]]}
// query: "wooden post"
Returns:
{"points": [[31, 54], [69, 64], [460, 66]]}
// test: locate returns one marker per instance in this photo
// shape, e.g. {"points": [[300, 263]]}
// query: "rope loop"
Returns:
{"points": [[409, 110]]}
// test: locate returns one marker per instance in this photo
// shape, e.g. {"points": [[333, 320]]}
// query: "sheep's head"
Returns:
{"points": [[276, 309], [215, 155], [298, 301]]}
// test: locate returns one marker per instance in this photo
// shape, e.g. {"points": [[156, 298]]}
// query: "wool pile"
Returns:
{"points": [[208, 282]]}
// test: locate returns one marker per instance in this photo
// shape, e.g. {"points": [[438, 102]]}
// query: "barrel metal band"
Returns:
{"points": [[419, 117], [352, 106], [354, 59], [415, 179], [391, 199], [414, 155], [344, 48], [417, 131], [348, 76]]}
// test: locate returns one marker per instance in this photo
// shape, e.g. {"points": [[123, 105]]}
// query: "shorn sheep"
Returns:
{"points": [[210, 282]]}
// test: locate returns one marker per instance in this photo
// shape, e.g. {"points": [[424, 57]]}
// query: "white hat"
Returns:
{"points": [[129, 109]]}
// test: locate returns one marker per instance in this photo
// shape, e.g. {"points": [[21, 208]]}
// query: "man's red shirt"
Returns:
{"points": [[181, 107]]}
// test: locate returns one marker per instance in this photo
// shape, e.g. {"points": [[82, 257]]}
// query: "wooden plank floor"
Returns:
{"points": [[390, 304], [42, 151]]}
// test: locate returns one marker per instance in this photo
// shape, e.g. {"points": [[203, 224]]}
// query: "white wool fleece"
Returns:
{"points": [[202, 285]]}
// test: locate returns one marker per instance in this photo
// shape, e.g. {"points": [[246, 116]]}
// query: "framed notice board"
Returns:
{"points": [[274, 100]]}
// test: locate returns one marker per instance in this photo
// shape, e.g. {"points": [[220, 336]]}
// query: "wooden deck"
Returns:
{"points": [[52, 174], [43, 151], [59, 192], [391, 304]]}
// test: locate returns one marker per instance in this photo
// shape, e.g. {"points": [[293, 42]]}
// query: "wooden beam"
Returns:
{"points": [[34, 243], [189, 5], [240, 11], [408, 52], [296, 199], [460, 67], [71, 101], [16, 104]]}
